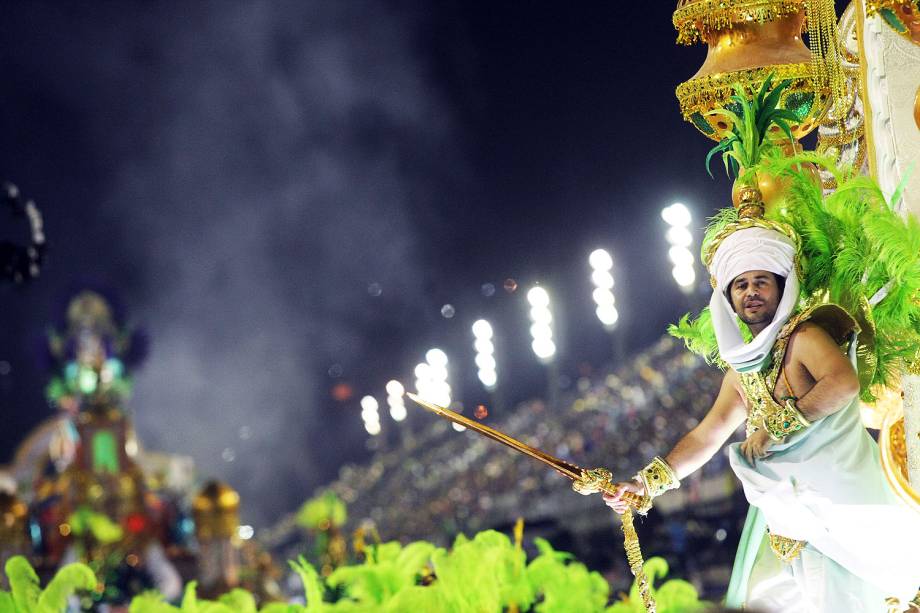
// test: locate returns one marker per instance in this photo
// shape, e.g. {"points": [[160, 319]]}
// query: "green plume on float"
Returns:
{"points": [[326, 509], [857, 252], [26, 594], [672, 596], [746, 144], [487, 573]]}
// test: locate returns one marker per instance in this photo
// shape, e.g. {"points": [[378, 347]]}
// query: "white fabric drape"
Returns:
{"points": [[743, 251]]}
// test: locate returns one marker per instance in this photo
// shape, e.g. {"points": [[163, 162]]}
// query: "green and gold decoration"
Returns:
{"points": [[323, 516], [487, 572], [856, 251], [749, 40], [903, 16]]}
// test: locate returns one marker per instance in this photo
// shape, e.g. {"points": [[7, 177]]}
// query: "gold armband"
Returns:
{"points": [[658, 477], [785, 421]]}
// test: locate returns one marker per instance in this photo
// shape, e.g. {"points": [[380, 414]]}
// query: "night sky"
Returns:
{"points": [[246, 175]]}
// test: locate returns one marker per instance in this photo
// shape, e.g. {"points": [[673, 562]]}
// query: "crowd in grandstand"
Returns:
{"points": [[441, 482]]}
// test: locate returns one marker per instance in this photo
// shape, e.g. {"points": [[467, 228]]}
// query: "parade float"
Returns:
{"points": [[84, 492], [858, 84], [82, 489]]}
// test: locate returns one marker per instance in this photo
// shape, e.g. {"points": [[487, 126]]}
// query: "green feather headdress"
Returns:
{"points": [[857, 251]]}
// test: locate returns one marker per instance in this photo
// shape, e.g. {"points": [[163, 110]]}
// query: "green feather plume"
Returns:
{"points": [[699, 335], [855, 250]]}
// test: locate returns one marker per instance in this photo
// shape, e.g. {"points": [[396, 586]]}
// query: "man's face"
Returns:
{"points": [[755, 296]]}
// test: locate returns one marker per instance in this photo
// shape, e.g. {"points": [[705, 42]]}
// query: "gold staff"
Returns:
{"points": [[584, 481]]}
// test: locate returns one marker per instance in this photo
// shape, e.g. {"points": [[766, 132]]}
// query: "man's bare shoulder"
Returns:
{"points": [[732, 380], [809, 336]]}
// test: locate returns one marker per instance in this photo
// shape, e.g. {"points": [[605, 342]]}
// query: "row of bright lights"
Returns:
{"points": [[601, 265], [431, 375], [485, 353], [370, 415], [541, 328], [678, 217], [370, 408], [431, 378], [396, 400]]}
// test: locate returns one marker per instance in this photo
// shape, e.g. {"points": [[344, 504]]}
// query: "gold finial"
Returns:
{"points": [[216, 511], [750, 203]]}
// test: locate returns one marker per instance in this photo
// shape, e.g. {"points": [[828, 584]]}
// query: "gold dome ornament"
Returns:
{"points": [[216, 511], [750, 39]]}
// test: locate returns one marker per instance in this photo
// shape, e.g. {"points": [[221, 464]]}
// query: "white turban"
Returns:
{"points": [[743, 251]]}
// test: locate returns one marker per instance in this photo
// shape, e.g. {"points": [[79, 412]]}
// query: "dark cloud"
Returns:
{"points": [[258, 174]]}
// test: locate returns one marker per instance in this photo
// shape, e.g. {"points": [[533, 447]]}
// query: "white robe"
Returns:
{"points": [[825, 485]]}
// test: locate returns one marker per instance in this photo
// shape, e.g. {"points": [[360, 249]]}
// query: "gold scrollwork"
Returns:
{"points": [[785, 548], [694, 19]]}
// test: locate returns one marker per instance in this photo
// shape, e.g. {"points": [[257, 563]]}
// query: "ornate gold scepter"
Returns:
{"points": [[584, 481]]}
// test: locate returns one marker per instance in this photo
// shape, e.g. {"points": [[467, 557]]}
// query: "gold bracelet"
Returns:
{"points": [[785, 421], [658, 477]]}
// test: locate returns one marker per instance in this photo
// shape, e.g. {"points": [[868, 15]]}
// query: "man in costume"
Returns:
{"points": [[825, 532]]}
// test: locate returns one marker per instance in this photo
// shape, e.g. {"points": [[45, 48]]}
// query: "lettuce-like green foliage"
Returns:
{"points": [[487, 574], [26, 595], [150, 602], [240, 601], [564, 584], [102, 528], [672, 596], [389, 569]]}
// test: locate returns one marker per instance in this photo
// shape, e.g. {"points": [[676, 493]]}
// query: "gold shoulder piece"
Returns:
{"points": [[835, 320]]}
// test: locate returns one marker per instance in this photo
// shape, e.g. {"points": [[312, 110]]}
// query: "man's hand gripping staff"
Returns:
{"points": [[584, 481]]}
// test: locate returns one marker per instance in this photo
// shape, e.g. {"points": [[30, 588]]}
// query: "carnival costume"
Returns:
{"points": [[825, 531], [809, 545]]}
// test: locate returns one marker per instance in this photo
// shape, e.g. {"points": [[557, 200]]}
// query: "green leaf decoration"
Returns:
{"points": [[151, 602], [322, 512], [26, 595], [280, 607], [672, 596], [6, 602], [565, 585], [752, 118], [239, 600], [24, 584], [190, 598], [84, 520], [66, 581], [486, 574], [312, 585], [893, 20], [701, 124]]}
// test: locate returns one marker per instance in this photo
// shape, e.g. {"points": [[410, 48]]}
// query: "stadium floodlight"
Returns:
{"points": [[678, 235], [541, 330], [431, 378], [370, 415], [485, 353], [395, 400], [601, 263]]}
